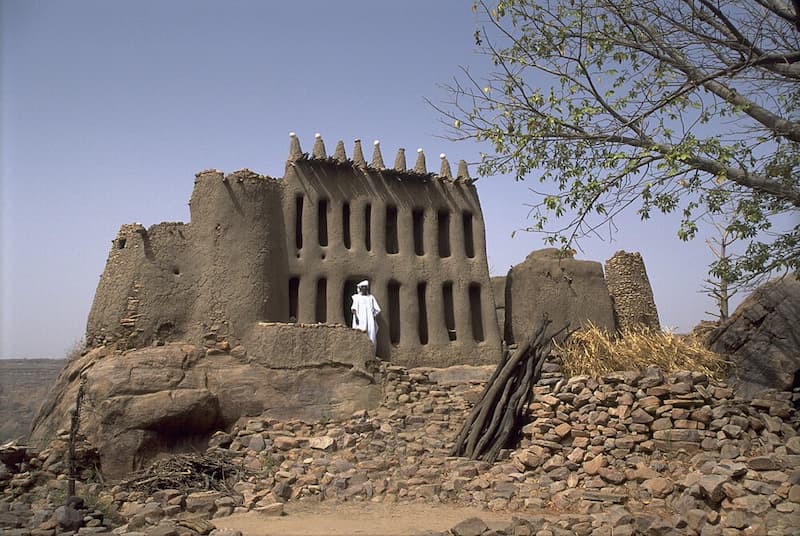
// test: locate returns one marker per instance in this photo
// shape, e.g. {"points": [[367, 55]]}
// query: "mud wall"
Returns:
{"points": [[259, 249], [420, 241], [209, 278]]}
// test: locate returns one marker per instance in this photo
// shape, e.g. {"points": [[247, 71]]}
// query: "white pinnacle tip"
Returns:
{"points": [[419, 150], [357, 140], [292, 135], [318, 135], [377, 142], [442, 156]]}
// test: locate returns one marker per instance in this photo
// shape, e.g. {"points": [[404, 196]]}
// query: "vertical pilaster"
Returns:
{"points": [[335, 229], [409, 315], [379, 228], [437, 330], [461, 308], [336, 299], [405, 231]]}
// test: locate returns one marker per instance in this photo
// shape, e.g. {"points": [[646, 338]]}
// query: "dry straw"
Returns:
{"points": [[594, 351]]}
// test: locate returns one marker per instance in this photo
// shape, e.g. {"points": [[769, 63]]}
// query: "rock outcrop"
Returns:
{"points": [[563, 288], [762, 339], [636, 452], [170, 398]]}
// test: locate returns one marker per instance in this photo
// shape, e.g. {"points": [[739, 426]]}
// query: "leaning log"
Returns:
{"points": [[496, 418]]}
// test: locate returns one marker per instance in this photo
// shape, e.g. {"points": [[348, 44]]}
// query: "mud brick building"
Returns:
{"points": [[260, 250]]}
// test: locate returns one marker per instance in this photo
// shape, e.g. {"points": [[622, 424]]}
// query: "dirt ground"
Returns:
{"points": [[320, 519]]}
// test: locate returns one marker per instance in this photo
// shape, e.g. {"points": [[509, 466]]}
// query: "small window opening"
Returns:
{"points": [[444, 233], [449, 310], [391, 229], [121, 243], [418, 216], [298, 222], [469, 243], [368, 227], [294, 293], [346, 225], [321, 309], [475, 311], [423, 314], [322, 221], [394, 312]]}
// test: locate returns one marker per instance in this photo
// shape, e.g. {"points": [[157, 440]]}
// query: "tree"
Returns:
{"points": [[720, 288], [688, 106]]}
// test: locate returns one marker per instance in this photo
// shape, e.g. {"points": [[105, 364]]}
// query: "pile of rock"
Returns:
{"points": [[630, 451]]}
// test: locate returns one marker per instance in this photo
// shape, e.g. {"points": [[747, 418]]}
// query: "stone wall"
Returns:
{"points": [[631, 293], [264, 250], [633, 452]]}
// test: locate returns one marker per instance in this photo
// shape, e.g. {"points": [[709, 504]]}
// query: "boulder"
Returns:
{"points": [[762, 339], [563, 288], [174, 397]]}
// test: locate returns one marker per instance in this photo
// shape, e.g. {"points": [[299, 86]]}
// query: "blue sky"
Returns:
{"points": [[107, 109]]}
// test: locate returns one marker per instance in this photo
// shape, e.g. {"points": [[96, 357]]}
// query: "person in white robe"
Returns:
{"points": [[365, 308]]}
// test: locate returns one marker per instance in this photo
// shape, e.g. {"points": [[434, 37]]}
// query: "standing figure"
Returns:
{"points": [[365, 308]]}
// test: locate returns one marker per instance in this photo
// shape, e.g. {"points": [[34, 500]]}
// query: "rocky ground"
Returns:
{"points": [[636, 452]]}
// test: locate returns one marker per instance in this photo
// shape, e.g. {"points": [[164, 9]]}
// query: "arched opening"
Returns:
{"points": [[298, 222], [418, 219], [322, 221], [394, 311], [346, 225], [321, 307], [368, 227], [475, 311], [443, 218], [469, 243], [392, 245], [422, 306], [449, 310], [294, 296]]}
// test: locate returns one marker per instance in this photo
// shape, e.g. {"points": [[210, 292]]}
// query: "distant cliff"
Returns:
{"points": [[24, 384]]}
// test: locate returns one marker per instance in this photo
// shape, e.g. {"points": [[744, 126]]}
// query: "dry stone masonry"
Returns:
{"points": [[634, 452], [631, 294], [260, 249]]}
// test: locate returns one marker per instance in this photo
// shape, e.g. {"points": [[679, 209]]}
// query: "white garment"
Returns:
{"points": [[365, 308]]}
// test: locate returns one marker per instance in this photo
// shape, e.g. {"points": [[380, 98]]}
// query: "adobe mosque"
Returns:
{"points": [[260, 251]]}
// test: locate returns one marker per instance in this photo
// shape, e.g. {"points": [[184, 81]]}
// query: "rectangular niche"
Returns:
{"points": [[391, 230], [298, 222], [322, 221], [321, 306], [346, 225], [418, 217], [294, 296], [422, 306], [443, 218], [469, 243], [394, 312], [368, 227], [449, 310], [475, 311]]}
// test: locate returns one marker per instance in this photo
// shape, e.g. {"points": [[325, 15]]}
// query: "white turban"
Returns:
{"points": [[364, 283]]}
